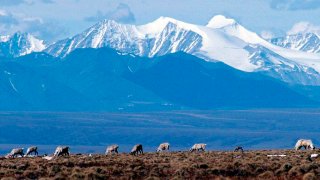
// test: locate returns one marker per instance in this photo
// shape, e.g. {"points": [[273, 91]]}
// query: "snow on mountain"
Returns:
{"points": [[231, 27], [4, 38], [308, 42], [220, 21], [249, 37], [222, 39], [155, 39], [20, 44], [165, 35], [279, 67], [285, 64]]}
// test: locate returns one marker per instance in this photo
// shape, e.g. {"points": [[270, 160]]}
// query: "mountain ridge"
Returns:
{"points": [[222, 39], [308, 42]]}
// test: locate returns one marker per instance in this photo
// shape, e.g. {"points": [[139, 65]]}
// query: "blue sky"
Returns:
{"points": [[55, 19]]}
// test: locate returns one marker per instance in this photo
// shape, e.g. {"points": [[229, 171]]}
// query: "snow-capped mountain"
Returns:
{"points": [[154, 39], [308, 42], [222, 39], [20, 44]]}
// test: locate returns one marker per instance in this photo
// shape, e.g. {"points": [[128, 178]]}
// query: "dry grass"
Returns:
{"points": [[174, 165]]}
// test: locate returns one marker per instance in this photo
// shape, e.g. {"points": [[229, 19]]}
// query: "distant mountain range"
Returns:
{"points": [[166, 64], [103, 79], [222, 39]]}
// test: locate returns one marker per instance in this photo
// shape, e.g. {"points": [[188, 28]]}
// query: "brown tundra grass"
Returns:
{"points": [[171, 165]]}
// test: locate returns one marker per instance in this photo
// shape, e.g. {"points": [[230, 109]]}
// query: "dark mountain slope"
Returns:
{"points": [[104, 80], [189, 81]]}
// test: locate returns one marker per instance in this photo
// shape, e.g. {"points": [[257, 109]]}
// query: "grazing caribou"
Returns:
{"points": [[62, 151], [306, 143], [112, 149], [33, 149], [136, 150], [15, 152], [163, 147], [198, 147]]}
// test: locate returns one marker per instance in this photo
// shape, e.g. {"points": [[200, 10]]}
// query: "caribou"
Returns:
{"points": [[61, 151], [112, 149], [136, 150], [32, 149], [163, 147], [306, 143], [15, 152], [198, 147]]}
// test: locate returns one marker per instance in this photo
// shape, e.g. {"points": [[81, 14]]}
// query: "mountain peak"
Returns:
{"points": [[162, 21], [106, 23], [20, 44], [157, 25], [166, 19], [220, 21]]}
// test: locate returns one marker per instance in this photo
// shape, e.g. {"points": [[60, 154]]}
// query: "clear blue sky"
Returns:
{"points": [[55, 19]]}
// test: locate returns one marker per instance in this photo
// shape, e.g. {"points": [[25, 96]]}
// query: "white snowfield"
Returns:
{"points": [[222, 39]]}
